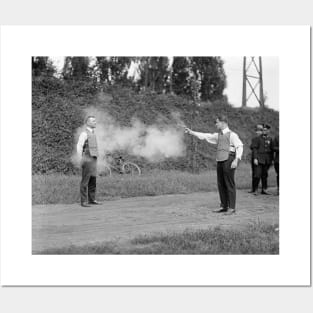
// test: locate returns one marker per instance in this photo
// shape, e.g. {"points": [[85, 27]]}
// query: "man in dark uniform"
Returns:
{"points": [[263, 158], [276, 160], [254, 143], [87, 152]]}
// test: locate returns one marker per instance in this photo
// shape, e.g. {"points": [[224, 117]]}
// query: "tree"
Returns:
{"points": [[180, 76], [80, 68], [114, 70], [67, 68], [42, 66], [76, 68], [119, 69], [154, 73], [211, 73]]}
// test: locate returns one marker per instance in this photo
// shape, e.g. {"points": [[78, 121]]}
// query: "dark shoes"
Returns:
{"points": [[254, 192], [230, 212], [264, 192], [220, 210], [89, 204], [226, 211], [94, 202]]}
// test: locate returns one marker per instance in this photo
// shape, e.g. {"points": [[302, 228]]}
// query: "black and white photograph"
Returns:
{"points": [[155, 155], [152, 155]]}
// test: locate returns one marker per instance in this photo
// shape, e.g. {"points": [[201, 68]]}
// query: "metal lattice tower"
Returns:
{"points": [[253, 77]]}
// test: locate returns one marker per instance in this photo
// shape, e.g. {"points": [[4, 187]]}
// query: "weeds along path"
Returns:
{"points": [[55, 226]]}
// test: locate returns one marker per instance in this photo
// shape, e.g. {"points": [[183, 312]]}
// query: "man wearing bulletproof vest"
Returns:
{"points": [[228, 153], [87, 151], [255, 143], [263, 158]]}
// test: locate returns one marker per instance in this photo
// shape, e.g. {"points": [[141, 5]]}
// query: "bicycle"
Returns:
{"points": [[121, 167]]}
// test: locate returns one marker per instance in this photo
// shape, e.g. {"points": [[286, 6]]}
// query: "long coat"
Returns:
{"points": [[276, 149], [262, 149]]}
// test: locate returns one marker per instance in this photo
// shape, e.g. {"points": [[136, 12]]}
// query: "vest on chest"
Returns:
{"points": [[223, 147], [91, 146]]}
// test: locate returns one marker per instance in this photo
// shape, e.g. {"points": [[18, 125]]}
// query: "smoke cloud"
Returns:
{"points": [[152, 142]]}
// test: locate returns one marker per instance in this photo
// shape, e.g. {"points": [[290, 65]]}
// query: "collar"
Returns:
{"points": [[89, 128], [225, 130]]}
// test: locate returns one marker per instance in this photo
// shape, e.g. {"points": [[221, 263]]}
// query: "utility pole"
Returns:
{"points": [[252, 78], [195, 89], [261, 83], [244, 89]]}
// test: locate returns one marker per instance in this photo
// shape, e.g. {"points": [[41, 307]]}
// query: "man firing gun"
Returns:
{"points": [[229, 152]]}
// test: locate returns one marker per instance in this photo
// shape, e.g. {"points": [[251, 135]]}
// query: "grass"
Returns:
{"points": [[256, 238], [56, 188]]}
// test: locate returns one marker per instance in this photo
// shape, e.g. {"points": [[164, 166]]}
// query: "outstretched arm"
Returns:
{"points": [[211, 138]]}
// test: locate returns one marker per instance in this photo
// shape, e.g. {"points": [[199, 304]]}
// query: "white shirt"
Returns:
{"points": [[81, 141], [236, 144]]}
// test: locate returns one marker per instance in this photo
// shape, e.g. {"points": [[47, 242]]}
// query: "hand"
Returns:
{"points": [[255, 161], [77, 160], [234, 164], [188, 130]]}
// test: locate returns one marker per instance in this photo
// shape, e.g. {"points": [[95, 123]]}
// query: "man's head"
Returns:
{"points": [[91, 121], [221, 122], [266, 129], [259, 129]]}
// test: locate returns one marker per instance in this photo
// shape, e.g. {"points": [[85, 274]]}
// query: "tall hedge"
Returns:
{"points": [[148, 106], [57, 113], [54, 121]]}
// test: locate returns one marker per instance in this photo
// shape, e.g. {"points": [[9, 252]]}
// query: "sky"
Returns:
{"points": [[233, 67]]}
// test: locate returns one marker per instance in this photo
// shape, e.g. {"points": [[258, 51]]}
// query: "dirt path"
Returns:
{"points": [[61, 225]]}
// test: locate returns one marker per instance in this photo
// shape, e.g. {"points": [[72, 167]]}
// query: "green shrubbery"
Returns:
{"points": [[54, 121], [151, 107], [57, 112]]}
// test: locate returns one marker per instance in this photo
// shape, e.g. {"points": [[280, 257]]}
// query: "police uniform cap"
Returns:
{"points": [[266, 126]]}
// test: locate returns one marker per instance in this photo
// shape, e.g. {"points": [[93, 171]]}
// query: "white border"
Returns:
{"points": [[290, 43]]}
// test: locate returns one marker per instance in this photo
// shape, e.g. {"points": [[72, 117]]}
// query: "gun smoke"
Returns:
{"points": [[153, 142]]}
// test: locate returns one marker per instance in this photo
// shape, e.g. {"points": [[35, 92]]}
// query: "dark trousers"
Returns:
{"points": [[256, 177], [226, 183], [89, 180], [261, 173], [276, 166], [253, 179]]}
